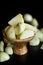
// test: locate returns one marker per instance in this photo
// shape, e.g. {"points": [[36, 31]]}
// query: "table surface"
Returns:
{"points": [[34, 56]]}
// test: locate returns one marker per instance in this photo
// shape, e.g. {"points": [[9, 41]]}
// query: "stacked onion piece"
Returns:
{"points": [[17, 29]]}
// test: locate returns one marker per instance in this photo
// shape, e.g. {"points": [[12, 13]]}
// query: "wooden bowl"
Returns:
{"points": [[20, 46]]}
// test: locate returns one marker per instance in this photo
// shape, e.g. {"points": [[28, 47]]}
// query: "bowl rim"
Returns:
{"points": [[17, 40]]}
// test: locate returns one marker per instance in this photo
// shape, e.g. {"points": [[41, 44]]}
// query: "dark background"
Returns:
{"points": [[9, 10]]}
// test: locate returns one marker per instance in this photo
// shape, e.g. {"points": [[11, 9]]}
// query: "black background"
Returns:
{"points": [[9, 10]]}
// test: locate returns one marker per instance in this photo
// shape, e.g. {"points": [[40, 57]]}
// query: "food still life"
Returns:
{"points": [[17, 35]]}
